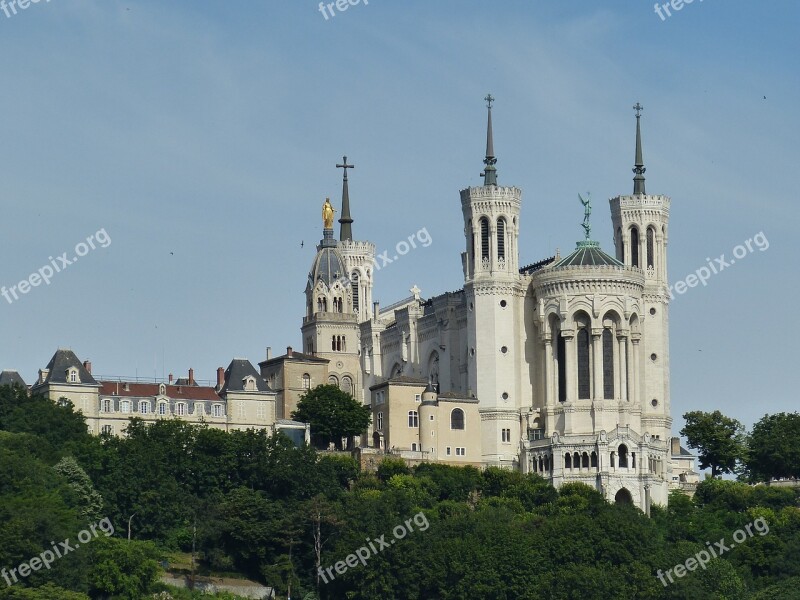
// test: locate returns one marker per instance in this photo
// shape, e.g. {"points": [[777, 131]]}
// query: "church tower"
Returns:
{"points": [[641, 224], [494, 295], [338, 291]]}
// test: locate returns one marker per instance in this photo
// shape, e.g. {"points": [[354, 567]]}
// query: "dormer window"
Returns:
{"points": [[162, 389], [72, 375], [249, 384]]}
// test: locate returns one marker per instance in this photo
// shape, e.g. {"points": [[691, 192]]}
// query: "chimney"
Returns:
{"points": [[88, 366], [220, 378], [170, 378], [269, 352], [376, 309], [676, 446], [289, 351], [191, 376]]}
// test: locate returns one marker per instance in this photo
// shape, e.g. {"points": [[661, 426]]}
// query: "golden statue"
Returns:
{"points": [[327, 214]]}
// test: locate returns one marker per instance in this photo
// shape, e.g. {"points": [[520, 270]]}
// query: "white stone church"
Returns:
{"points": [[559, 368]]}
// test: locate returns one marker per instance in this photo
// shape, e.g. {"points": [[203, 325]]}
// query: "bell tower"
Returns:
{"points": [[494, 295]]}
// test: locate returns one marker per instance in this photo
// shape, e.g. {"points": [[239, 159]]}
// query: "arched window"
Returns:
{"points": [[125, 406], [620, 245], [144, 407], [568, 461], [501, 238], [547, 463], [355, 283], [457, 419], [608, 364], [471, 244], [650, 247], [413, 418], [594, 460], [634, 246], [576, 460], [306, 381], [333, 343], [585, 461], [623, 455], [584, 390], [561, 359], [484, 239], [106, 405], [347, 385], [333, 380]]}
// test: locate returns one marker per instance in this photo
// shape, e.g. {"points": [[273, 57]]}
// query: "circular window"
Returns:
{"points": [[505, 395], [654, 402], [504, 349], [653, 357], [503, 303], [652, 311]]}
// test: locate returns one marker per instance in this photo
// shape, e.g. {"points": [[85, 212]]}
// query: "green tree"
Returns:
{"points": [[719, 440], [774, 447], [122, 569], [333, 414], [89, 502]]}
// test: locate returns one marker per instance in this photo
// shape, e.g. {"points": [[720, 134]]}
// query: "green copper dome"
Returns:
{"points": [[588, 254]]}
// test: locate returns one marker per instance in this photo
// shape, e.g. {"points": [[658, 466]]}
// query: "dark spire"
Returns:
{"points": [[345, 231], [489, 172], [638, 180]]}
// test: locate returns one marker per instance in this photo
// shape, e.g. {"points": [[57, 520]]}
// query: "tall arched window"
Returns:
{"points": [[306, 381], [484, 238], [584, 388], [347, 385], [561, 358], [634, 246], [650, 247], [457, 419], [608, 364], [623, 456], [354, 283], [568, 461], [333, 380], [620, 245], [501, 238]]}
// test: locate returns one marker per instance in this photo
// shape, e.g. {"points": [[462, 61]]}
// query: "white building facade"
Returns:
{"points": [[567, 358]]}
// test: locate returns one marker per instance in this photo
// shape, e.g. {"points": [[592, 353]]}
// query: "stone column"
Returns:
{"points": [[570, 358], [623, 366], [549, 383], [635, 351], [597, 361]]}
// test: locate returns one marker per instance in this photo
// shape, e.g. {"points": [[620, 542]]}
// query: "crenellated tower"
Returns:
{"points": [[494, 294]]}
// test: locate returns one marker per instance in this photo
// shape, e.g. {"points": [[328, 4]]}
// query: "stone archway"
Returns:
{"points": [[623, 497]]}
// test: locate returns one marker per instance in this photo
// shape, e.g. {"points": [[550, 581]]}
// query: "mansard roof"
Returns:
{"points": [[126, 389], [62, 361], [12, 378], [588, 254], [235, 374]]}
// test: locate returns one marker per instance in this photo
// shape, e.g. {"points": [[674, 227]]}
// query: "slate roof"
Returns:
{"points": [[12, 378], [62, 360], [145, 390], [235, 374], [588, 254], [294, 356]]}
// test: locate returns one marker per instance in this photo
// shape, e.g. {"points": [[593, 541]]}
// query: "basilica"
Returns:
{"points": [[560, 367]]}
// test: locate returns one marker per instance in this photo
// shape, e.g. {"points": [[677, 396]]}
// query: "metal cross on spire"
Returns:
{"points": [[489, 99], [638, 169], [345, 220], [638, 108]]}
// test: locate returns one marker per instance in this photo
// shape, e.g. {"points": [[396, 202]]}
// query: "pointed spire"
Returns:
{"points": [[638, 169], [345, 221], [489, 172]]}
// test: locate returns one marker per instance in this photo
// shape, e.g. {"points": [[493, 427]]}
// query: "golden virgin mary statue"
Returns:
{"points": [[327, 214]]}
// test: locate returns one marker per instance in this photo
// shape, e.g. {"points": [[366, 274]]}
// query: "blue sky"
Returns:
{"points": [[202, 137]]}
